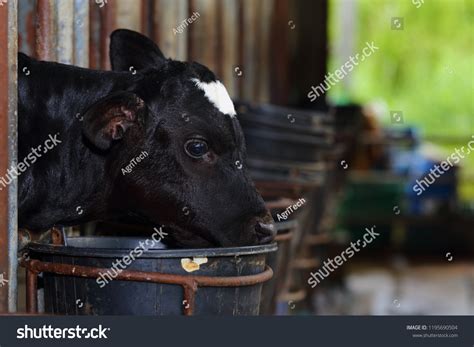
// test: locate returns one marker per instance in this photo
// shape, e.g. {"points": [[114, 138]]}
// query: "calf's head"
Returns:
{"points": [[179, 120]]}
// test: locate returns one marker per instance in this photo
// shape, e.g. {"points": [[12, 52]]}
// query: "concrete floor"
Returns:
{"points": [[434, 289]]}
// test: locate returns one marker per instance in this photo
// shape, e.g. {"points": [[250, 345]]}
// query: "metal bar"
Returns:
{"points": [[203, 35], [44, 37], [26, 28], [31, 291], [147, 12], [153, 277], [307, 53], [240, 45], [4, 158], [279, 63], [64, 24], [190, 284], [262, 86], [190, 39], [128, 14], [250, 49], [169, 14], [219, 39], [12, 153], [94, 35], [229, 29], [189, 298], [8, 194], [81, 33], [346, 22], [107, 25]]}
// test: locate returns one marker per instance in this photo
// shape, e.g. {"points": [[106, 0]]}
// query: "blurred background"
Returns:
{"points": [[353, 154]]}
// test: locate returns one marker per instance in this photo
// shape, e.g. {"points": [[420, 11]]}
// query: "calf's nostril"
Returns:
{"points": [[265, 232], [265, 228]]}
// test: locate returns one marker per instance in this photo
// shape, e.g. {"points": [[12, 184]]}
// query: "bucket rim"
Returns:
{"points": [[286, 225], [104, 252]]}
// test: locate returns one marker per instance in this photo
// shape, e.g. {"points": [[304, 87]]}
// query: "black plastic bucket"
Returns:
{"points": [[75, 295], [284, 134], [279, 261]]}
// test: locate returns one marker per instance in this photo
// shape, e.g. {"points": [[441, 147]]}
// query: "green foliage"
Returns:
{"points": [[425, 70]]}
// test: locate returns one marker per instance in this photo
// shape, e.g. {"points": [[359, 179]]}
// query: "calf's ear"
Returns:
{"points": [[108, 119], [130, 49]]}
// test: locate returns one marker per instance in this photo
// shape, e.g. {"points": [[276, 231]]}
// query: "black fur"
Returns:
{"points": [[106, 118]]}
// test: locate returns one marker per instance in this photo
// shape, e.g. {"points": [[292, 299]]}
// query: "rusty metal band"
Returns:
{"points": [[190, 283]]}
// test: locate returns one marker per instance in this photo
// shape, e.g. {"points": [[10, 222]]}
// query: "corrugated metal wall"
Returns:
{"points": [[250, 44]]}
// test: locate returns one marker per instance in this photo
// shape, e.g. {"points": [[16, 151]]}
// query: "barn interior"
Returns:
{"points": [[358, 122]]}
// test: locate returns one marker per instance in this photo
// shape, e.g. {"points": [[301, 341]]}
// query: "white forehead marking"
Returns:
{"points": [[217, 95]]}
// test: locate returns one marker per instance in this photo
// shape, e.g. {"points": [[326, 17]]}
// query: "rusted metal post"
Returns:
{"points": [[202, 34], [81, 33], [189, 296], [229, 28], [101, 24], [31, 291], [12, 152], [279, 86], [94, 35], [8, 153], [250, 35], [3, 156], [107, 25], [128, 14], [44, 30], [147, 16], [264, 55], [307, 53], [63, 23], [169, 14], [240, 46], [26, 26]]}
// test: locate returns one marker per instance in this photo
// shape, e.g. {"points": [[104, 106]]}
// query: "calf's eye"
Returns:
{"points": [[196, 148]]}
